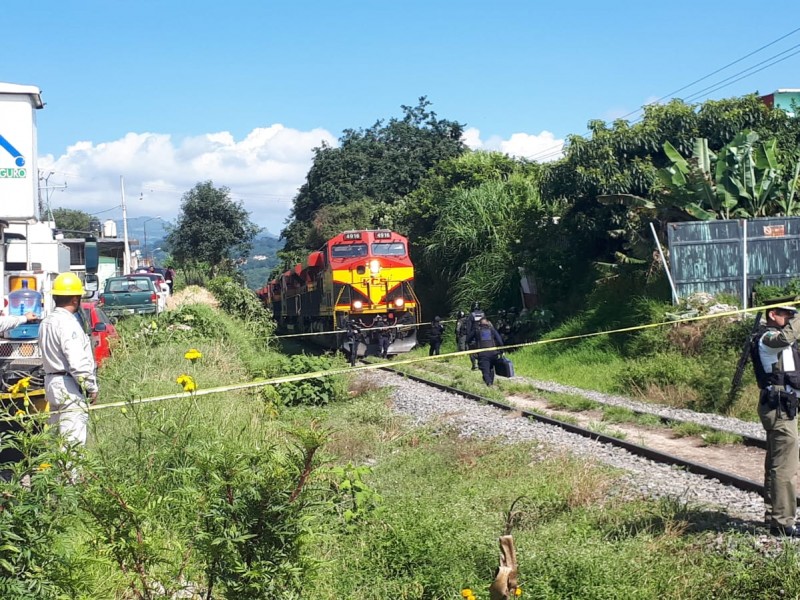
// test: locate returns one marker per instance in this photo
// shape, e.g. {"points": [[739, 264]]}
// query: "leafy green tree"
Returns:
{"points": [[210, 229], [332, 219], [416, 214], [477, 240], [71, 220], [377, 166], [625, 158]]}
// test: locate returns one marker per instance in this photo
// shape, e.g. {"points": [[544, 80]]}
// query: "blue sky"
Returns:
{"points": [[169, 93]]}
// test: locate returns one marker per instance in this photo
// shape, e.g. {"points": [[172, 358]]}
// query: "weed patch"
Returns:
{"points": [[570, 402]]}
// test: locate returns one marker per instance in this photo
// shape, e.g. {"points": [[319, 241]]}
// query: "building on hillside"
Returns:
{"points": [[787, 100]]}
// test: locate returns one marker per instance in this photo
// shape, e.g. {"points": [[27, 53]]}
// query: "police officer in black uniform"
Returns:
{"points": [[474, 318], [485, 336], [437, 331], [384, 339], [353, 334]]}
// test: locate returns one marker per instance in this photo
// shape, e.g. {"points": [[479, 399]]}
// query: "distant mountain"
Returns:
{"points": [[137, 226], [262, 259]]}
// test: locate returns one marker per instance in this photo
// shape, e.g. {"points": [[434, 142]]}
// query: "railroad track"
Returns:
{"points": [[724, 477]]}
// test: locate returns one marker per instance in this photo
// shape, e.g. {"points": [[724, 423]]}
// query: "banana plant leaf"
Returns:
{"points": [[703, 155], [765, 155], [675, 157]]}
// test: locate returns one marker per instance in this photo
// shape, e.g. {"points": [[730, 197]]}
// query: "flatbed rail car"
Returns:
{"points": [[359, 274]]}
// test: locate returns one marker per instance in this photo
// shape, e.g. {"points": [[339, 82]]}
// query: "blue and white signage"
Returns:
{"points": [[18, 172]]}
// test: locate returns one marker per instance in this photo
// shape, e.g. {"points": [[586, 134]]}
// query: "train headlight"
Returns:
{"points": [[399, 302], [358, 305], [374, 267]]}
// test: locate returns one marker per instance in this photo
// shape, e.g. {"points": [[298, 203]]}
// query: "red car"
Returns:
{"points": [[99, 328]]}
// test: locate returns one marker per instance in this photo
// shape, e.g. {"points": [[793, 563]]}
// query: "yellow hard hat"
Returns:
{"points": [[67, 284]]}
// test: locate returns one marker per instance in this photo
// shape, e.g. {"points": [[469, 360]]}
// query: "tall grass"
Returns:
{"points": [[444, 503]]}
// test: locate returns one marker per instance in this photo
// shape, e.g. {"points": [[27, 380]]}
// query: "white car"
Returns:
{"points": [[161, 286]]}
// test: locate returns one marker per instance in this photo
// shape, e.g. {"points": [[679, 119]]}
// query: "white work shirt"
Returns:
{"points": [[65, 347], [7, 323]]}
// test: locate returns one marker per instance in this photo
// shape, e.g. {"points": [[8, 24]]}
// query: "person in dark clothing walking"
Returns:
{"points": [[473, 319], [437, 331], [485, 336], [352, 332]]}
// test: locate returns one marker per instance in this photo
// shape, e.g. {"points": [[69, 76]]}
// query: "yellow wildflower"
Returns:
{"points": [[466, 593], [518, 592], [192, 355], [44, 466], [19, 412], [187, 382], [21, 385]]}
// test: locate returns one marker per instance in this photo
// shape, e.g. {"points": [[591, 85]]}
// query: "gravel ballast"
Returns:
{"points": [[645, 478]]}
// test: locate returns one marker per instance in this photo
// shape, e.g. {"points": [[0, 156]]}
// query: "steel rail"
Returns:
{"points": [[654, 455]]}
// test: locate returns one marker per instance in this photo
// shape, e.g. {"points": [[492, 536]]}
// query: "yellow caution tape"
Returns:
{"points": [[406, 361]]}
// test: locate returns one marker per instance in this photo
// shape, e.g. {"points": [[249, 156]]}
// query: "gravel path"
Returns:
{"points": [[644, 477], [681, 414]]}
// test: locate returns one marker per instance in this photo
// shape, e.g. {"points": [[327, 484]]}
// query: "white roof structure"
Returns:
{"points": [[29, 90]]}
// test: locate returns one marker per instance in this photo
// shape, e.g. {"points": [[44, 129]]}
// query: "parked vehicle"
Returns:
{"points": [[162, 288], [100, 329], [129, 295]]}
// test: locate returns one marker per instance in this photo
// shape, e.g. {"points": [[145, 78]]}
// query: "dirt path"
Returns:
{"points": [[191, 295], [738, 459]]}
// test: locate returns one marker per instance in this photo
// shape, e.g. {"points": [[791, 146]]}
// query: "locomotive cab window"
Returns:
{"points": [[348, 250], [389, 249]]}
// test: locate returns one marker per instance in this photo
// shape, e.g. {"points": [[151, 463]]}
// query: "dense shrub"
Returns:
{"points": [[765, 293], [182, 506], [188, 322], [38, 505], [318, 391], [666, 370], [242, 303]]}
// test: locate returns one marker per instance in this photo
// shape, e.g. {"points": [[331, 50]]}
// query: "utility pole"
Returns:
{"points": [[41, 200], [45, 212], [126, 268]]}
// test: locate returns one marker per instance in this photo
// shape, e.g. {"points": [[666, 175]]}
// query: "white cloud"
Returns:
{"points": [[263, 170], [472, 138], [542, 147]]}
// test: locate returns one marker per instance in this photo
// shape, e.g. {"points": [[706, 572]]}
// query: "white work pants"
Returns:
{"points": [[64, 394]]}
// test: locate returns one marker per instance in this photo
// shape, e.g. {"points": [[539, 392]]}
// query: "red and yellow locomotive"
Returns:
{"points": [[358, 275]]}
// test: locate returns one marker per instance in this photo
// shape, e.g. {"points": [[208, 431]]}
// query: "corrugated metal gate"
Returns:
{"points": [[718, 256]]}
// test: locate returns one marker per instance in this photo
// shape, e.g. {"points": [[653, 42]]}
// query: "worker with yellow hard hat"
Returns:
{"points": [[70, 380]]}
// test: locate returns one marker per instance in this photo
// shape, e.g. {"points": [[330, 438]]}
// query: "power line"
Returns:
{"points": [[704, 77], [556, 150], [717, 85]]}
